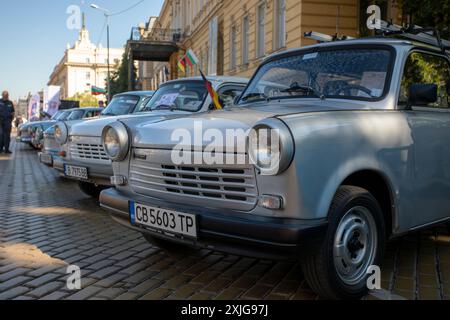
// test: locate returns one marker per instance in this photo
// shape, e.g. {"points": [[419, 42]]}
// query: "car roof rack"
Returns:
{"points": [[321, 37], [429, 36]]}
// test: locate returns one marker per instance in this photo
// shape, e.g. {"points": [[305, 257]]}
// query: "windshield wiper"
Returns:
{"points": [[254, 95], [303, 88]]}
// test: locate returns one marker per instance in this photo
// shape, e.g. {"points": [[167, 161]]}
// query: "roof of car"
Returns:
{"points": [[136, 93], [221, 79], [361, 41]]}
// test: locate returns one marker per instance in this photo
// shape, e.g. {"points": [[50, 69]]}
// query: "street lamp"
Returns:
{"points": [[107, 14]]}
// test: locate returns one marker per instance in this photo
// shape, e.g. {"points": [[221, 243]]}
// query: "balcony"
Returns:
{"points": [[156, 45]]}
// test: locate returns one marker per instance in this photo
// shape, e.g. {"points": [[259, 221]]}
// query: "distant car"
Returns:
{"points": [[44, 137], [87, 161], [348, 146], [25, 131]]}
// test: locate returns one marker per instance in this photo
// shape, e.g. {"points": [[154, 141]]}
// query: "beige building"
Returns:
{"points": [[84, 65], [231, 37]]}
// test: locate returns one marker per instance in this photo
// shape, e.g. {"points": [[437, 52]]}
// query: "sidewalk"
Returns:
{"points": [[46, 224]]}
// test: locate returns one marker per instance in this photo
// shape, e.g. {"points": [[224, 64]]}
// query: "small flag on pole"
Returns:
{"points": [[191, 58], [182, 64], [96, 91], [214, 95]]}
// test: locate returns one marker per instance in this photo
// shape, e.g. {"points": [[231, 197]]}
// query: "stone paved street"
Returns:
{"points": [[46, 224]]}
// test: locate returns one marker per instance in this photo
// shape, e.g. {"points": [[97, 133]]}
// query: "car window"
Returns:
{"points": [[64, 115], [141, 105], [358, 73], [228, 94], [121, 105], [423, 68], [57, 115], [185, 96], [76, 115], [92, 113]]}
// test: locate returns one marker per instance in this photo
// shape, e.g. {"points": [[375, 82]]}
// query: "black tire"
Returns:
{"points": [[171, 248], [90, 189], [318, 263]]}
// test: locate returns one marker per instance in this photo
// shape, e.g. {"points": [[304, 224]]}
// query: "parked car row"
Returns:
{"points": [[346, 146]]}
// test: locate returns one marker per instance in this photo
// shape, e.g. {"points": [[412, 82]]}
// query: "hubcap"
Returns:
{"points": [[355, 245]]}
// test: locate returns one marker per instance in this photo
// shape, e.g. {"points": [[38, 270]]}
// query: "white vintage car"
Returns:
{"points": [[86, 160], [361, 154]]}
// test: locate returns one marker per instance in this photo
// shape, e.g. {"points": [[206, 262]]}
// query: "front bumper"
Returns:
{"points": [[46, 158], [234, 233], [99, 174]]}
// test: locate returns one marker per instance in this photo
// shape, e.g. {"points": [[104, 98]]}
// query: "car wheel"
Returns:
{"points": [[172, 249], [337, 268], [90, 189]]}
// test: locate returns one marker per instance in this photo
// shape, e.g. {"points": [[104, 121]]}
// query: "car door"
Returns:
{"points": [[429, 196]]}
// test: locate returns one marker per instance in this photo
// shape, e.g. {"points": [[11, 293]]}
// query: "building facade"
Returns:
{"points": [[232, 37], [84, 65]]}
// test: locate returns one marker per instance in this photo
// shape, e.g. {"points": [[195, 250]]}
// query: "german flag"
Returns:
{"points": [[182, 64], [214, 95]]}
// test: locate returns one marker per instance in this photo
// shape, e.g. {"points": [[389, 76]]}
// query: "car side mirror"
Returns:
{"points": [[422, 94]]}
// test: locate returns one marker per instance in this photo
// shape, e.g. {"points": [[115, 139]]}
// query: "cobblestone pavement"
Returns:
{"points": [[46, 224]]}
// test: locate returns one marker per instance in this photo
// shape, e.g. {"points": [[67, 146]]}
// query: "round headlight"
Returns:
{"points": [[271, 147], [115, 141], [61, 133]]}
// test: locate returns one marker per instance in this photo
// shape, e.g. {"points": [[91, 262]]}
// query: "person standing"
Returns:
{"points": [[6, 118]]}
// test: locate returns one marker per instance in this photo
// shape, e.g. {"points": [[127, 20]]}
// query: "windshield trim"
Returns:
{"points": [[182, 82], [362, 46]]}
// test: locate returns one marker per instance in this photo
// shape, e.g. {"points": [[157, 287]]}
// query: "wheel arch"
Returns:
{"points": [[379, 185]]}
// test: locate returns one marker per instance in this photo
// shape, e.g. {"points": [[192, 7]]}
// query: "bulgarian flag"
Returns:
{"points": [[96, 91], [191, 58], [213, 93]]}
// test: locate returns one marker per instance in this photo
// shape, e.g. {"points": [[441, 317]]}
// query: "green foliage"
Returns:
{"points": [[86, 99], [429, 13], [119, 78]]}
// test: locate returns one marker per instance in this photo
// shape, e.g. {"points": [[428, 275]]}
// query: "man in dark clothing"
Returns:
{"points": [[6, 118]]}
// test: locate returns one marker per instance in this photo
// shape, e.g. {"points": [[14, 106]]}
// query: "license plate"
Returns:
{"points": [[76, 172], [172, 222]]}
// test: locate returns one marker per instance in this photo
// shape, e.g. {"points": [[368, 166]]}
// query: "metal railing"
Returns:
{"points": [[158, 34]]}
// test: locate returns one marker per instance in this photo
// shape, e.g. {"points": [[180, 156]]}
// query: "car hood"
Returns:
{"points": [[94, 128], [159, 135], [42, 123]]}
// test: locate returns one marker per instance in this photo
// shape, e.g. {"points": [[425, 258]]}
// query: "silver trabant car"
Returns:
{"points": [[87, 162], [55, 153], [44, 137], [349, 147]]}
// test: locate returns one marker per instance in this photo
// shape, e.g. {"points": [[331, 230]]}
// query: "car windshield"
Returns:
{"points": [[183, 96], [121, 105], [338, 73], [57, 115], [64, 115], [76, 115]]}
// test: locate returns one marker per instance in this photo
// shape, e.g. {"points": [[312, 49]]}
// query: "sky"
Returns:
{"points": [[34, 36]]}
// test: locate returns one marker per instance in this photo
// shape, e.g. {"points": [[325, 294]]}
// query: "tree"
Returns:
{"points": [[119, 78], [85, 99], [428, 13]]}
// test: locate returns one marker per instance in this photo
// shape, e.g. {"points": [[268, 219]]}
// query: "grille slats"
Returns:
{"points": [[81, 151], [220, 187]]}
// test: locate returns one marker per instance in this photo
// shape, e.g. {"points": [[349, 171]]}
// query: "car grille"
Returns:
{"points": [[80, 151], [232, 187]]}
